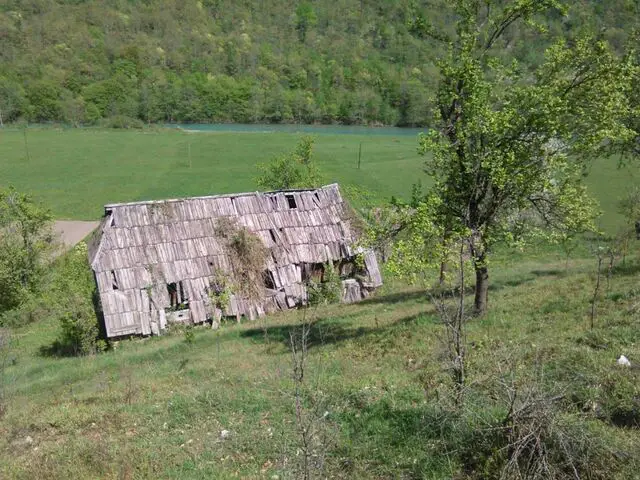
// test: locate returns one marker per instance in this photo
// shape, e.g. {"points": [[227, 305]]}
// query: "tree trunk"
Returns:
{"points": [[443, 273], [482, 289]]}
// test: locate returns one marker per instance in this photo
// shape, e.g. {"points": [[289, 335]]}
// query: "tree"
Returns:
{"points": [[26, 243], [12, 100], [294, 170], [305, 19], [510, 147]]}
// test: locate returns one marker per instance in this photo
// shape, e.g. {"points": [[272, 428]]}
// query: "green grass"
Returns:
{"points": [[76, 172], [154, 408]]}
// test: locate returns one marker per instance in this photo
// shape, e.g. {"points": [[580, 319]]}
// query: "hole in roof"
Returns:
{"points": [[112, 222], [177, 297], [269, 280], [273, 235], [114, 281], [291, 200]]}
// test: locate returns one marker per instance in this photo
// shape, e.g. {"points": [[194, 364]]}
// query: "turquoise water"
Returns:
{"points": [[314, 129]]}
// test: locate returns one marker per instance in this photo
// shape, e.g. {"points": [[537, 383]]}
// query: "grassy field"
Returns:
{"points": [[155, 408], [375, 381], [75, 172]]}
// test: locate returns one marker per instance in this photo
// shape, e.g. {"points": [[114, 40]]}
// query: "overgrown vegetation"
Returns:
{"points": [[326, 291], [248, 256], [32, 290], [72, 296]]}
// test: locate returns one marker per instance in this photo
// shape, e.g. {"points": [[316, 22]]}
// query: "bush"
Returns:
{"points": [[32, 309], [122, 121], [329, 290], [79, 333], [72, 295], [293, 170]]}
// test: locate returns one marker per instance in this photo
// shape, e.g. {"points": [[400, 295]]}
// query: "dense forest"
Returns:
{"points": [[339, 61]]}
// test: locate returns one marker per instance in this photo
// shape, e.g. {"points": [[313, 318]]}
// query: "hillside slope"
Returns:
{"points": [[343, 61]]}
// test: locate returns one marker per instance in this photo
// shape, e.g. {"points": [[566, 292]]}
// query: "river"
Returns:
{"points": [[297, 128]]}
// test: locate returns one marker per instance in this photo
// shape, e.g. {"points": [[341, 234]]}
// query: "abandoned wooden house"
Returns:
{"points": [[161, 261]]}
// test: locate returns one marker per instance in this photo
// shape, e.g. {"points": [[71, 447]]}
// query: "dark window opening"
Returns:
{"points": [[269, 280], [183, 298], [177, 298], [291, 200], [172, 289], [114, 281]]}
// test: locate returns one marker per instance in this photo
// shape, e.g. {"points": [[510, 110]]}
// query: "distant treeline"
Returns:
{"points": [[321, 61]]}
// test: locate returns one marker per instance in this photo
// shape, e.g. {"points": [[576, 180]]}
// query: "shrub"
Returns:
{"points": [[79, 333], [329, 290], [72, 295], [293, 170], [189, 335]]}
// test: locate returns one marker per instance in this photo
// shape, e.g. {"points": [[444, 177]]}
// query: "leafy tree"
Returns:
{"points": [[44, 98], [294, 170], [510, 147], [305, 19], [12, 100], [26, 244], [73, 110]]}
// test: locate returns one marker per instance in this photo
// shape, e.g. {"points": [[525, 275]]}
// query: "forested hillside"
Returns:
{"points": [[326, 61]]}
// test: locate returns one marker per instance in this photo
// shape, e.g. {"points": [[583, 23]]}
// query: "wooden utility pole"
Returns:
{"points": [[26, 145]]}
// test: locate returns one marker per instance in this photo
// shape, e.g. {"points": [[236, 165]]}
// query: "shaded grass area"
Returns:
{"points": [[154, 408], [76, 172]]}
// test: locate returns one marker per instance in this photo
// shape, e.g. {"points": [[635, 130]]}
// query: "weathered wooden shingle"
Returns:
{"points": [[142, 247]]}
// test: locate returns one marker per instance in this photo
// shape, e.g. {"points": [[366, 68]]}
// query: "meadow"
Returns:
{"points": [[77, 171], [376, 384]]}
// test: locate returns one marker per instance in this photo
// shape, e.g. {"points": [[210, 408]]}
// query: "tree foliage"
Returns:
{"points": [[510, 148], [26, 245], [342, 61], [293, 170], [71, 297]]}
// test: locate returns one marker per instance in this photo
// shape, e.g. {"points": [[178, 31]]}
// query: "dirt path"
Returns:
{"points": [[72, 232]]}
